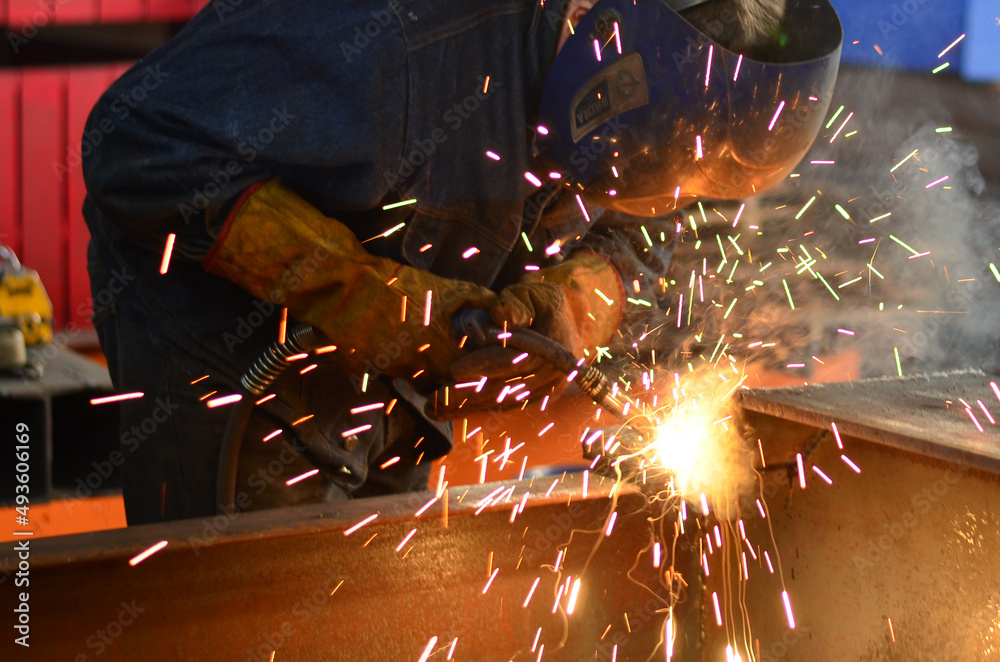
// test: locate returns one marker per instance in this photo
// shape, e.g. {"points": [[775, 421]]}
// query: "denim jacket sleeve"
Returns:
{"points": [[245, 92]]}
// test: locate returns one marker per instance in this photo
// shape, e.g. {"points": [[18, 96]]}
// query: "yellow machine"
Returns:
{"points": [[25, 311]]}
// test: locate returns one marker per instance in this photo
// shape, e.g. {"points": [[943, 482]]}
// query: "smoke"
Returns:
{"points": [[880, 248]]}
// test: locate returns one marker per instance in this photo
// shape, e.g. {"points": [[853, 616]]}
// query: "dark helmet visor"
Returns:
{"points": [[667, 115]]}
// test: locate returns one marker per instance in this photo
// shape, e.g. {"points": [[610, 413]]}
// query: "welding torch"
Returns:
{"points": [[479, 331]]}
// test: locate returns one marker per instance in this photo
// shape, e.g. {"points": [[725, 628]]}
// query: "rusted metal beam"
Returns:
{"points": [[898, 562], [294, 583]]}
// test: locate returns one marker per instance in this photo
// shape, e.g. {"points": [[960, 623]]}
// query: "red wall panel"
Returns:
{"points": [[84, 86], [43, 195], [10, 155], [170, 10], [77, 11], [117, 11]]}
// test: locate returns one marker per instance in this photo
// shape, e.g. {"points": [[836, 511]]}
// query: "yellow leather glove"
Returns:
{"points": [[278, 247], [578, 303]]}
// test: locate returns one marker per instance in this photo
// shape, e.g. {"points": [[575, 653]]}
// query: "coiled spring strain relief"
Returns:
{"points": [[273, 361]]}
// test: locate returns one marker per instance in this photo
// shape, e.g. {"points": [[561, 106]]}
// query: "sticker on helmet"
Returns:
{"points": [[616, 89]]}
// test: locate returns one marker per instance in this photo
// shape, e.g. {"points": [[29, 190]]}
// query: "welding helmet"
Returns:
{"points": [[644, 113]]}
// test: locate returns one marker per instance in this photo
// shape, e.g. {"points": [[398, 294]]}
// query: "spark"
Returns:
{"points": [[836, 435], [940, 67], [358, 430], [849, 116], [708, 66], [986, 411], [142, 556], [618, 38], [698, 153], [822, 475], [423, 508], [302, 477], [388, 463], [394, 205], [167, 250], [899, 368], [428, 649], [704, 504], [803, 210], [908, 157], [718, 610], [996, 274], [451, 649], [531, 592], [283, 326], [879, 218], [936, 181], [597, 50], [363, 408], [943, 129], [427, 307], [308, 368], [272, 435], [843, 212], [486, 84], [788, 609], [583, 208], [835, 116], [224, 400], [802, 470], [739, 63], [350, 530], [530, 176], [781, 106], [573, 594], [470, 252], [851, 464], [975, 421], [493, 155], [490, 580], [611, 524], [116, 398], [543, 130], [846, 332], [790, 302]]}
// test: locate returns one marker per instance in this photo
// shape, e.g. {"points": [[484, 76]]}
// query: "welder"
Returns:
{"points": [[371, 168]]}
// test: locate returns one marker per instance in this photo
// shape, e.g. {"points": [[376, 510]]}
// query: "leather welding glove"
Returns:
{"points": [[278, 247], [578, 304]]}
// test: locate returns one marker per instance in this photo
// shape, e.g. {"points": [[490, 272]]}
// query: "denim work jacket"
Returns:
{"points": [[354, 105]]}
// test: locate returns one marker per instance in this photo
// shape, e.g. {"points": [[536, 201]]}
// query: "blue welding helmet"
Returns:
{"points": [[645, 114]]}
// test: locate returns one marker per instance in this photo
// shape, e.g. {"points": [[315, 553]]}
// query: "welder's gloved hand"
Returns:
{"points": [[578, 304], [278, 247]]}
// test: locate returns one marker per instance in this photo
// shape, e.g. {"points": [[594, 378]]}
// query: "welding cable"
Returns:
{"points": [[261, 374]]}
